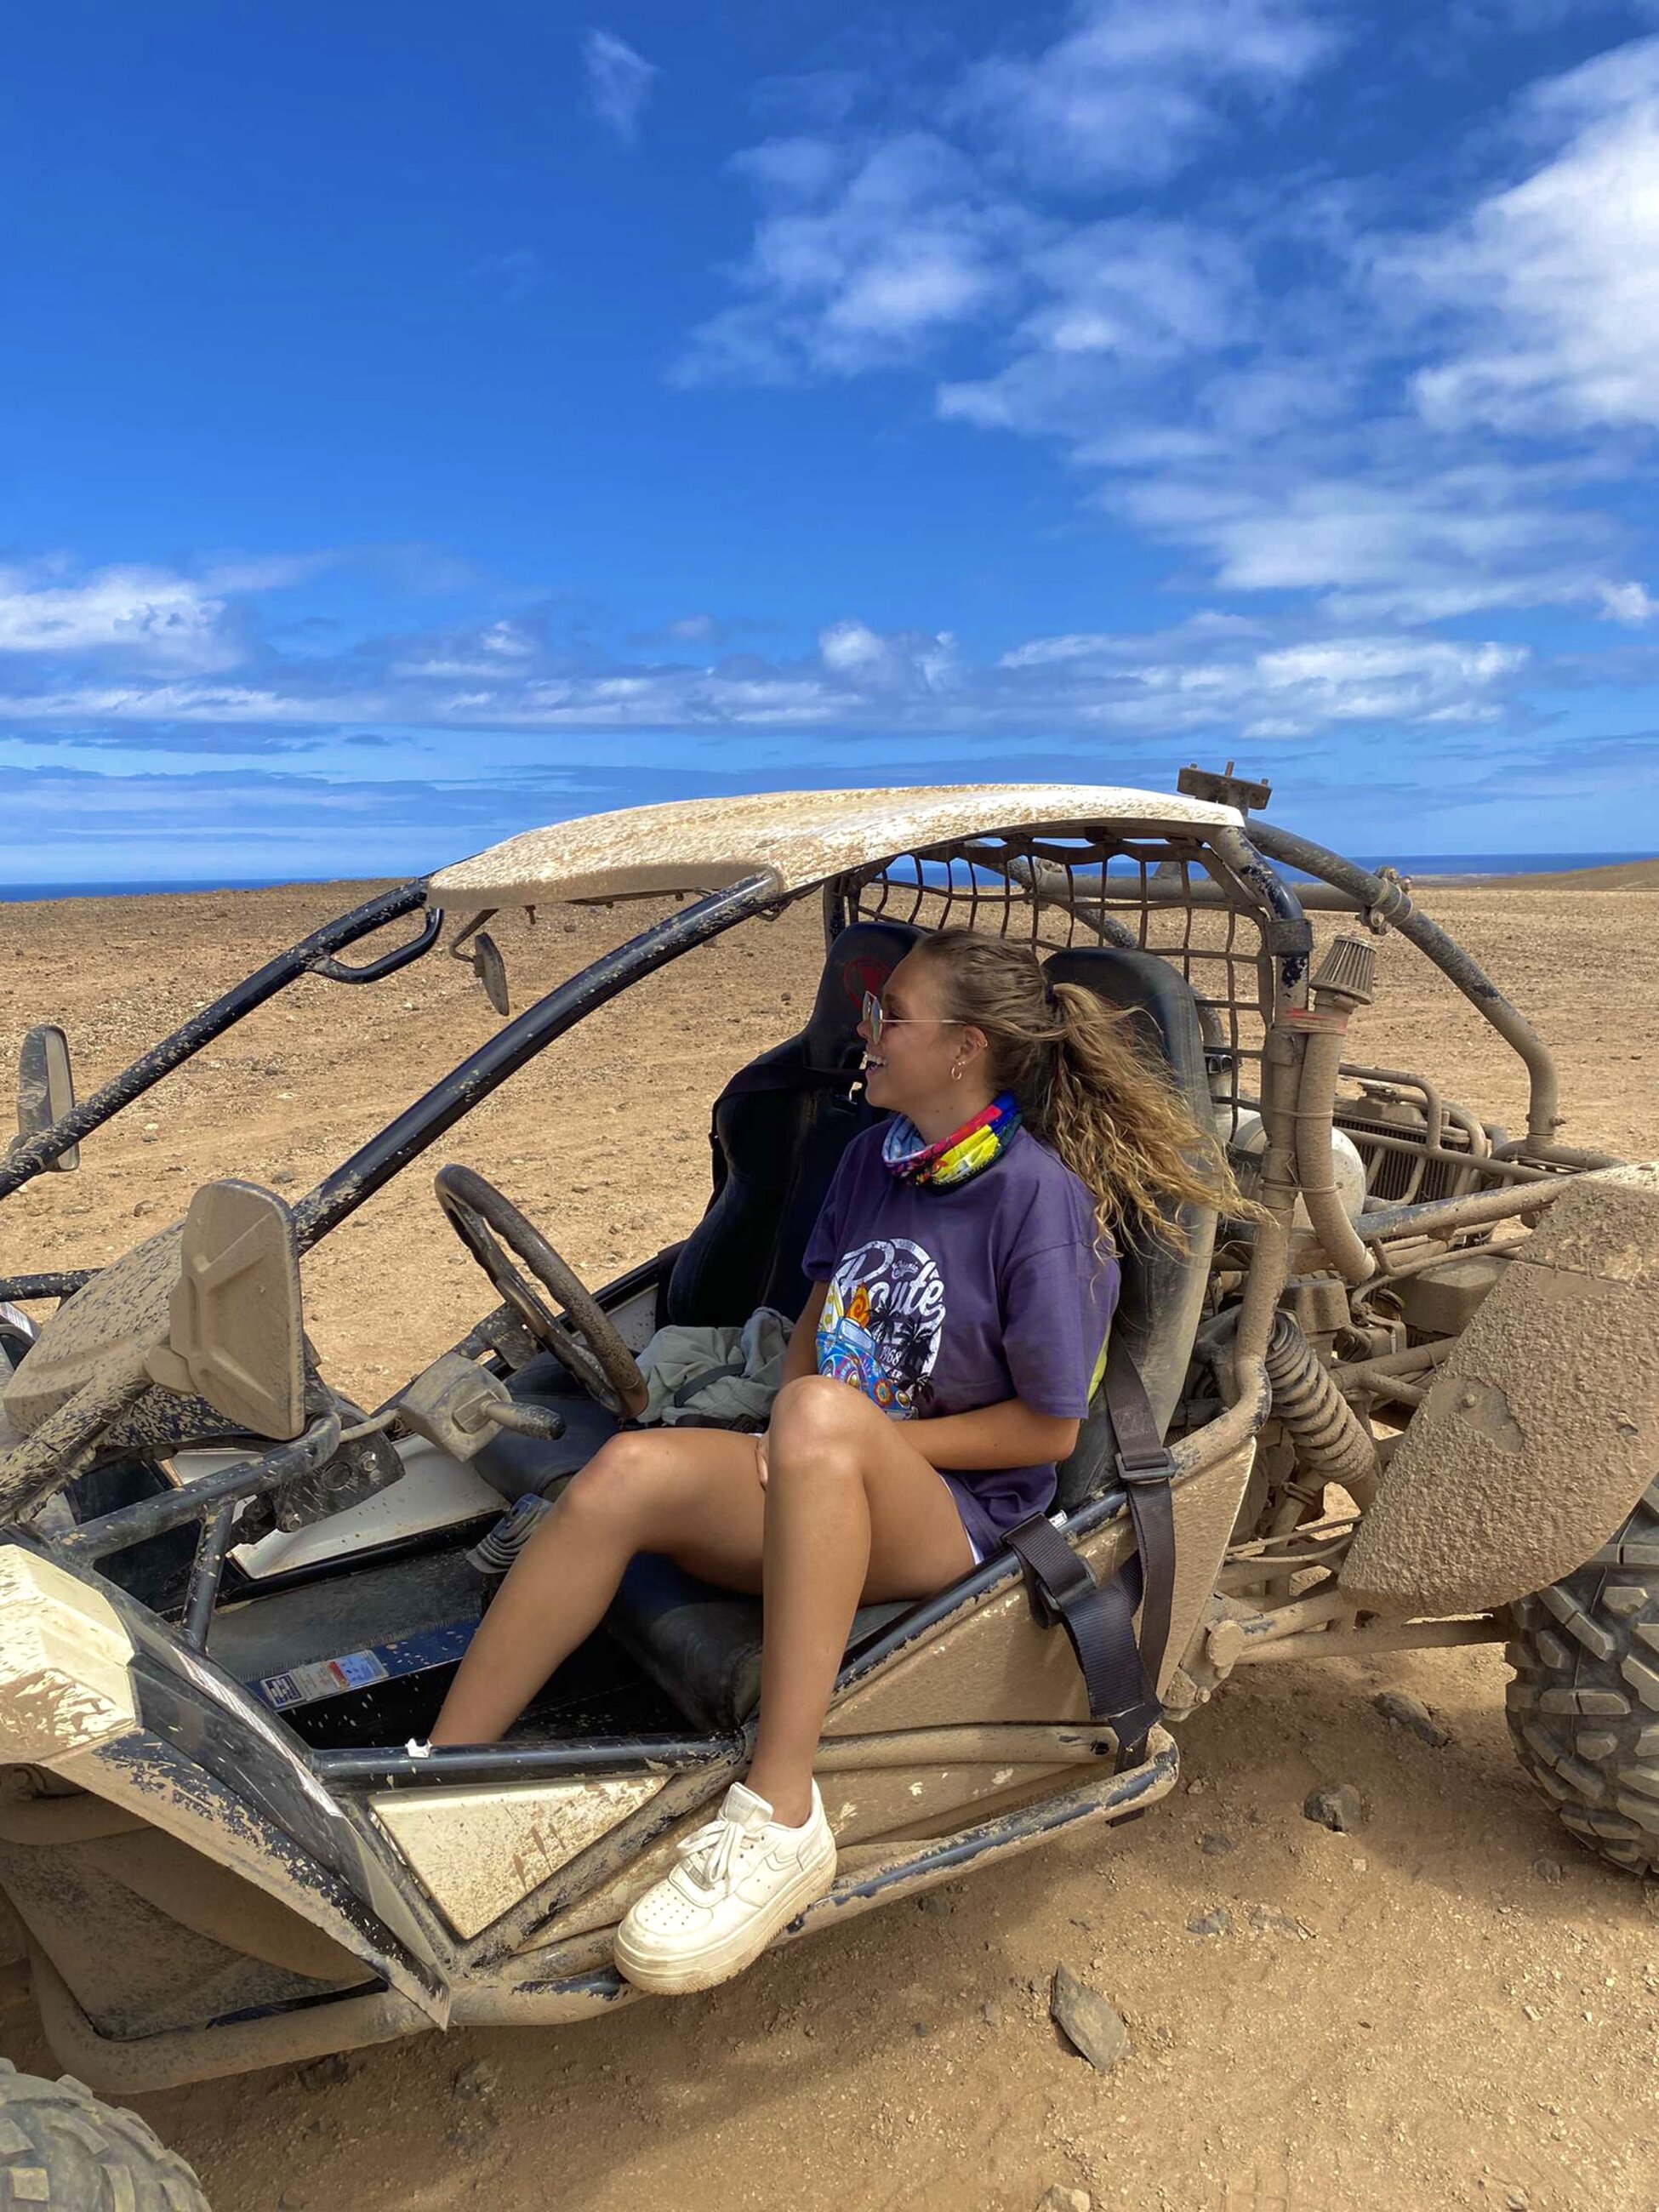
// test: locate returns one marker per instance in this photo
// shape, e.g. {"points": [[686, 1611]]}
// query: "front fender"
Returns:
{"points": [[1542, 1431], [94, 1690]]}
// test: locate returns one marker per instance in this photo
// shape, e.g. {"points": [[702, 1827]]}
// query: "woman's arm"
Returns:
{"points": [[1008, 1434], [802, 1357]]}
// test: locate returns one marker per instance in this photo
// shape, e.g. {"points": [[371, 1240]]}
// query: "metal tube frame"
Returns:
{"points": [[1391, 903], [387, 1153], [206, 1574], [249, 1478], [312, 955], [1445, 1218], [461, 1764]]}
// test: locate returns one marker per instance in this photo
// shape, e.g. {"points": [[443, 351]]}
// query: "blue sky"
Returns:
{"points": [[420, 423]]}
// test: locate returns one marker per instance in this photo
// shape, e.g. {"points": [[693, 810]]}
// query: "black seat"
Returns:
{"points": [[702, 1645], [778, 1131], [1162, 1292]]}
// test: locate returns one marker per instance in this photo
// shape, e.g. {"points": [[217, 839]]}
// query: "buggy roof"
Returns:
{"points": [[797, 838]]}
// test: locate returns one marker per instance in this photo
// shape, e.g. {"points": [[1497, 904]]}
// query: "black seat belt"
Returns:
{"points": [[1121, 1677]]}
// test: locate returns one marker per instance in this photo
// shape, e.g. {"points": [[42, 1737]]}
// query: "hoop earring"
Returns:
{"points": [[956, 1075]]}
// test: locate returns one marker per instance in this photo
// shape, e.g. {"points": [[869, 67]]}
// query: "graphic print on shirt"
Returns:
{"points": [[883, 1320]]}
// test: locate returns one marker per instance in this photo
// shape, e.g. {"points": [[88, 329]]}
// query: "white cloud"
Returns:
{"points": [[494, 651], [1133, 89], [1115, 304], [1144, 290], [146, 613], [161, 703], [1629, 603], [1216, 671], [619, 82], [262, 571], [873, 245], [1297, 402], [903, 661], [1398, 538], [515, 273], [1195, 678], [1556, 279], [863, 256]]}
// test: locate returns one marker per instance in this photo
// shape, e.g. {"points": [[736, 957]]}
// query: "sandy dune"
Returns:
{"points": [[1468, 2017]]}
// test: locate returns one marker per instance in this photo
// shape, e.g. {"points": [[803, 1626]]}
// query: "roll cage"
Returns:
{"points": [[1206, 896]]}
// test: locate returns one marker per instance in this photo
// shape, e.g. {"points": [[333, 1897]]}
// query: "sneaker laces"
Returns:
{"points": [[711, 1856]]}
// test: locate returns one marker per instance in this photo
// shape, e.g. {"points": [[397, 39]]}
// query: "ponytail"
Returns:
{"points": [[1085, 1086]]}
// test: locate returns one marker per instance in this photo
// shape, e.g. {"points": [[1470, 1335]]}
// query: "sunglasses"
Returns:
{"points": [[876, 1021]]}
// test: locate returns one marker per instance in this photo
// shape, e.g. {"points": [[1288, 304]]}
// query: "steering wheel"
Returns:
{"points": [[583, 1339]]}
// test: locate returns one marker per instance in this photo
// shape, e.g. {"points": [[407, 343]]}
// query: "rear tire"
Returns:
{"points": [[62, 2149], [1583, 1708]]}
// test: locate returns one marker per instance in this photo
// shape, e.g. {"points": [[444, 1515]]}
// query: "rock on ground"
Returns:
{"points": [[1089, 2022], [1411, 1713], [1337, 1805]]}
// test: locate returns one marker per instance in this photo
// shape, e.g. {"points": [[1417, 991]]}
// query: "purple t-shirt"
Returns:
{"points": [[943, 1301]]}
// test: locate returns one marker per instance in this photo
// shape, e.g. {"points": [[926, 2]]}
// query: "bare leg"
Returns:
{"points": [[852, 1511], [641, 1493], [854, 1514]]}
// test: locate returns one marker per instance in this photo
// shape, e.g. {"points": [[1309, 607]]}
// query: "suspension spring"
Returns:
{"points": [[1330, 1441]]}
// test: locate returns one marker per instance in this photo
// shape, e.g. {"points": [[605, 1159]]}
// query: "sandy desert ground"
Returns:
{"points": [[1465, 2014]]}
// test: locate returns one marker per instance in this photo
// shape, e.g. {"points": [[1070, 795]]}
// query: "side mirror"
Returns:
{"points": [[234, 1334], [491, 970], [45, 1087], [483, 958]]}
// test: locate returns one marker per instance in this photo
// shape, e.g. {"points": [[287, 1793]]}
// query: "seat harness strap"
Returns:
{"points": [[1120, 1677]]}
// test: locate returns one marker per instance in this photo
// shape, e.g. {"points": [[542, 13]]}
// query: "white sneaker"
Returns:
{"points": [[739, 1879]]}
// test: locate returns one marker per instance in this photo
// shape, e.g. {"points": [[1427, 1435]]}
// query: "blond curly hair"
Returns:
{"points": [[1086, 1085]]}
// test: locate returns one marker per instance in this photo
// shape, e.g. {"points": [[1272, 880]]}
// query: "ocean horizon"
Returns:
{"points": [[1441, 865]]}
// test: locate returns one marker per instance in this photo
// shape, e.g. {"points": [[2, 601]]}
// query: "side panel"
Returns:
{"points": [[988, 1662], [96, 1694], [992, 1662], [478, 1851]]}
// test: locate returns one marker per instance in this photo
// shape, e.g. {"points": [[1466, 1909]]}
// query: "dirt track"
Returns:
{"points": [[1469, 2018]]}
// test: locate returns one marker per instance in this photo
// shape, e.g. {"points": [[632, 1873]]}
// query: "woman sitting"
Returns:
{"points": [[963, 1278]]}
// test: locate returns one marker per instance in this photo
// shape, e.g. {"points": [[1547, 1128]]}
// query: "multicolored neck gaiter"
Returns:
{"points": [[955, 1159]]}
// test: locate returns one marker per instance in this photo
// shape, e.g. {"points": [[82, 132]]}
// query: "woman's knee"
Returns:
{"points": [[622, 1485], [818, 1420]]}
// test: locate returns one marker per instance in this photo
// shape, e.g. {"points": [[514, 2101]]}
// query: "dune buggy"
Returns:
{"points": [[1415, 1403]]}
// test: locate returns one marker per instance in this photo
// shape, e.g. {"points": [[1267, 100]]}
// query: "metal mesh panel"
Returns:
{"points": [[1167, 895], [1400, 1166]]}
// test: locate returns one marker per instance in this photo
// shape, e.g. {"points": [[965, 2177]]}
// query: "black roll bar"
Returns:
{"points": [[312, 955], [248, 1478], [374, 1164], [472, 1763]]}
